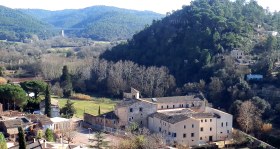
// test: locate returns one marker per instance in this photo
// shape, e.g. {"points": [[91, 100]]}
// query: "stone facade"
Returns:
{"points": [[184, 120], [189, 127]]}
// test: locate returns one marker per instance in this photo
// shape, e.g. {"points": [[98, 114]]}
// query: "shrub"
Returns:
{"points": [[79, 96], [3, 81]]}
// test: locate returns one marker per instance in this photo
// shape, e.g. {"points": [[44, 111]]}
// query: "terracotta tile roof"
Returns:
{"points": [[174, 99], [43, 119]]}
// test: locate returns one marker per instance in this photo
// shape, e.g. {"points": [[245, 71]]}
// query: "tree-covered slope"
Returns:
{"points": [[15, 25], [188, 40], [97, 22]]}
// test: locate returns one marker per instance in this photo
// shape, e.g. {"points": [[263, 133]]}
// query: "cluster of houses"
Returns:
{"points": [[33, 124], [184, 120]]}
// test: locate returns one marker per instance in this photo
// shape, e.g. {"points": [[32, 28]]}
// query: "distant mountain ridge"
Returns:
{"points": [[15, 25], [97, 22]]}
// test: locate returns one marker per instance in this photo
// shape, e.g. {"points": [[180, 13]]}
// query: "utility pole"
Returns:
{"points": [[89, 133]]}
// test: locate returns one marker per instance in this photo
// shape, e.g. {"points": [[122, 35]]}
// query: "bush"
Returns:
{"points": [[81, 97], [3, 81]]}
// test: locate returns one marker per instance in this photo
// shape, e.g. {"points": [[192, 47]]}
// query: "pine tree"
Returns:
{"points": [[99, 112], [21, 139], [47, 102], [65, 82], [49, 135], [3, 143], [68, 109]]}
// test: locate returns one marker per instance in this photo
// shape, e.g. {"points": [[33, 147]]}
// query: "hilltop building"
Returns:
{"points": [[184, 120]]}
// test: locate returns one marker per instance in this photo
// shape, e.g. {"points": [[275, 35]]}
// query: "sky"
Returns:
{"points": [[159, 6]]}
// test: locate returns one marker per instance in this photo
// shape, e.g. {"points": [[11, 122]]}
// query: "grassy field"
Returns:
{"points": [[91, 107]]}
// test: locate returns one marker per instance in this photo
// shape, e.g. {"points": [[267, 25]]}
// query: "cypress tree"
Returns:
{"points": [[3, 143], [65, 82], [99, 112], [21, 138], [47, 102]]}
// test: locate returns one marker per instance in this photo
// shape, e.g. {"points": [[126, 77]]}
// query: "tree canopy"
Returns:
{"points": [[35, 86], [12, 95]]}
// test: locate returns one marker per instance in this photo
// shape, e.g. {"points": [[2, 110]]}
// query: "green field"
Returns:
{"points": [[91, 106]]}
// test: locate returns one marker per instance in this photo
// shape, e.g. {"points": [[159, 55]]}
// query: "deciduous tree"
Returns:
{"points": [[249, 116]]}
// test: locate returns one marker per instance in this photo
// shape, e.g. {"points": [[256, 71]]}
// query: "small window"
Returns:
{"points": [[201, 121], [192, 134], [173, 106], [140, 109], [167, 106], [184, 135], [192, 125], [184, 126], [131, 117], [141, 122], [227, 131], [221, 132], [201, 129], [174, 135], [205, 120], [159, 129], [131, 109], [226, 124], [161, 107], [222, 124], [169, 133], [210, 120], [210, 128], [200, 138]]}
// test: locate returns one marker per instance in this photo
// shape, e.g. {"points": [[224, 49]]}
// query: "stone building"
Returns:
{"points": [[190, 126], [184, 120]]}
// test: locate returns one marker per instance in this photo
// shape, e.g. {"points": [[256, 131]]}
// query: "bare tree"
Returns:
{"points": [[249, 116]]}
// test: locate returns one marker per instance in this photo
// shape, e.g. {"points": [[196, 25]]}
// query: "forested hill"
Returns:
{"points": [[16, 26], [188, 41], [97, 22]]}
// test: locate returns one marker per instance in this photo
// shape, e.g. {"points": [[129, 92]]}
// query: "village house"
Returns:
{"points": [[237, 54], [60, 124], [10, 126], [42, 121], [184, 120], [189, 127], [55, 110]]}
